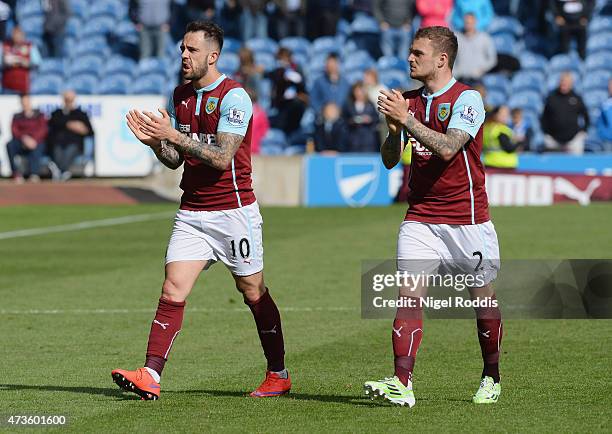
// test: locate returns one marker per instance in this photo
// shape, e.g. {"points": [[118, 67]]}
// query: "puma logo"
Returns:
{"points": [[268, 332], [162, 325], [397, 332], [185, 103], [568, 189], [486, 334], [247, 261]]}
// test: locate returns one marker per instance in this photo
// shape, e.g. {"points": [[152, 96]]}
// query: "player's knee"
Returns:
{"points": [[171, 291], [251, 291]]}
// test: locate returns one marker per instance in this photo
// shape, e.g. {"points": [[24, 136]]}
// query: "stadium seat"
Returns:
{"points": [[596, 80], [79, 8], [93, 45], [593, 143], [600, 24], [505, 43], [47, 84], [266, 45], [594, 99], [266, 60], [116, 84], [393, 79], [274, 142], [296, 44], [495, 98], [529, 80], [564, 62], [359, 60], [119, 64], [109, 8], [324, 45], [354, 76], [527, 100], [52, 66], [84, 84], [98, 26], [32, 25], [149, 84], [601, 42], [90, 64], [301, 59], [151, 65], [126, 30], [600, 61], [391, 62], [316, 65], [228, 63], [73, 27], [231, 45], [496, 82], [532, 61], [264, 93], [505, 24], [26, 9], [364, 24]]}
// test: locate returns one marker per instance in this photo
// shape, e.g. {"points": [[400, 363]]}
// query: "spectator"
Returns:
{"points": [[254, 21], [572, 17], [522, 131], [185, 11], [288, 19], [481, 9], [229, 19], [152, 19], [361, 118], [498, 145], [372, 85], [19, 57], [57, 13], [330, 87], [249, 74], [330, 130], [565, 118], [434, 13], [5, 14], [604, 122], [322, 17], [289, 98], [68, 128], [200, 10], [476, 54], [395, 18], [29, 128], [260, 125]]}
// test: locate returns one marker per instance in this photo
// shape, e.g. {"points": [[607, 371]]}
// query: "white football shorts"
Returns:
{"points": [[232, 236], [442, 248]]}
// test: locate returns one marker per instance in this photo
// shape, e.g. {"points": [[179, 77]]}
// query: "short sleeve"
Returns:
{"points": [[468, 113], [171, 111], [236, 112]]}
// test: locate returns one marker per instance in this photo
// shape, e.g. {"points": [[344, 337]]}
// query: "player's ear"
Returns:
{"points": [[213, 57], [442, 60]]}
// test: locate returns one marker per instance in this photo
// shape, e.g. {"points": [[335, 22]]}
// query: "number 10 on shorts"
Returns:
{"points": [[242, 247]]}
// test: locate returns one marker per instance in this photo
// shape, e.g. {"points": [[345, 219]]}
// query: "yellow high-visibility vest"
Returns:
{"points": [[493, 154]]}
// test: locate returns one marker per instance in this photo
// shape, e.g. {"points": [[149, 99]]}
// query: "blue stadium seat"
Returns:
{"points": [[564, 62], [228, 63], [25, 9], [126, 30], [96, 26], [84, 84], [266, 60], [47, 84], [324, 45], [296, 44], [316, 65], [264, 93], [597, 80], [266, 45], [533, 61], [354, 76], [93, 45], [73, 27], [32, 25], [392, 62], [505, 43], [151, 65], [52, 66], [231, 45], [274, 137], [600, 24], [393, 79], [531, 101], [496, 82], [529, 80], [108, 8], [149, 84], [90, 64], [79, 8], [495, 98], [505, 24], [594, 99], [301, 59], [364, 24], [118, 64], [359, 60], [600, 42], [598, 62], [115, 84]]}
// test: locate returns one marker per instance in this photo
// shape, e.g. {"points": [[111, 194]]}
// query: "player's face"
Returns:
{"points": [[422, 59], [197, 53]]}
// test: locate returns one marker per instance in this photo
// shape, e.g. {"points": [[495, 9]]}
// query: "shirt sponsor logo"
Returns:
{"points": [[211, 104], [469, 114], [183, 128], [443, 111], [236, 117], [209, 139]]}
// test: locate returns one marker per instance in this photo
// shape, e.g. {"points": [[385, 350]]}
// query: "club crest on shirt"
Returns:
{"points": [[443, 111], [211, 104], [469, 114]]}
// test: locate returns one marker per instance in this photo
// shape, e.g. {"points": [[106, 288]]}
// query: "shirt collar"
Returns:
{"points": [[212, 85], [441, 91]]}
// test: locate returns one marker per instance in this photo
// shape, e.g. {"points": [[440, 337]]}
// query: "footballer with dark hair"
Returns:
{"points": [[207, 130], [447, 223]]}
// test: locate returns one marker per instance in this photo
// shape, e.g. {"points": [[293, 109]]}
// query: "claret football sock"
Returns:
{"points": [[268, 322], [164, 329], [490, 331], [406, 335]]}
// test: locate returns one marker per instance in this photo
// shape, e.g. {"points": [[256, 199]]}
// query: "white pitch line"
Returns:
{"points": [[84, 225], [189, 309]]}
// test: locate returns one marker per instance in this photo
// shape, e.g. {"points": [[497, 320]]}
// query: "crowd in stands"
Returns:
{"points": [[314, 67]]}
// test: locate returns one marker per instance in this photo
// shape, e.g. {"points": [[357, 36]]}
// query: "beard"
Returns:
{"points": [[196, 72]]}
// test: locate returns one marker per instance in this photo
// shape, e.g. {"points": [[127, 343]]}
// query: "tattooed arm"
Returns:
{"points": [[168, 155], [218, 156], [443, 145], [391, 150]]}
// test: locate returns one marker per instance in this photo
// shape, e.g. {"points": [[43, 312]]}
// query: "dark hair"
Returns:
{"points": [[210, 29], [333, 55], [443, 40]]}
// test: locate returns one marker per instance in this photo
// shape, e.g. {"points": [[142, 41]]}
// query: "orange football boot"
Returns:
{"points": [[273, 385], [139, 382]]}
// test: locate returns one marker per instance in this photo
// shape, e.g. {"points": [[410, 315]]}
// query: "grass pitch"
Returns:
{"points": [[76, 304]]}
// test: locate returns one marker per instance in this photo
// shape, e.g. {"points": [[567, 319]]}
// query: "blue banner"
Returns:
{"points": [[354, 180]]}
